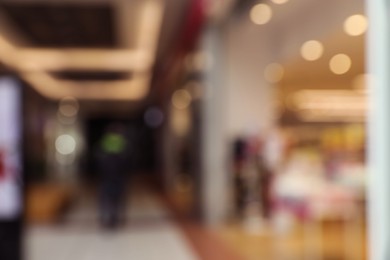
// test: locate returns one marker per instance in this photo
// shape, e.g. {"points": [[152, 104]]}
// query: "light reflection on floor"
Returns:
{"points": [[149, 234]]}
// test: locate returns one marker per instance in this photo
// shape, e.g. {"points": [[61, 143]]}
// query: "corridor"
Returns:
{"points": [[149, 233]]}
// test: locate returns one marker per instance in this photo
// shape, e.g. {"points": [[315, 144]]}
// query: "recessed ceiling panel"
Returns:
{"points": [[66, 25]]}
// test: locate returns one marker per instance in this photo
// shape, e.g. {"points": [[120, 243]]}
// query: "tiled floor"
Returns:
{"points": [[149, 234]]}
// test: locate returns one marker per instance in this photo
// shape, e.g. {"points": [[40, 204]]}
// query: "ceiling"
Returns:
{"points": [[109, 49], [321, 21], [300, 72], [64, 25], [92, 49]]}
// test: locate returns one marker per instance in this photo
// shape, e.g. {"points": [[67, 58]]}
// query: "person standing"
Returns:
{"points": [[112, 162]]}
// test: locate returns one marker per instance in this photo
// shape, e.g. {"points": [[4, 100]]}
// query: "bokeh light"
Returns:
{"points": [[312, 50], [181, 99], [261, 14], [279, 2], [356, 25], [340, 64], [65, 144]]}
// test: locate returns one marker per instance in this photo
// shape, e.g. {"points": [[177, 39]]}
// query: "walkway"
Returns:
{"points": [[150, 234]]}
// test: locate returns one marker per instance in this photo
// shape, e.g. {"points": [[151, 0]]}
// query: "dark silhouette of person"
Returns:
{"points": [[112, 163]]}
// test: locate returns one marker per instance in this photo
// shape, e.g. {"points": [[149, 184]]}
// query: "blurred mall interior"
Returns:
{"points": [[194, 129]]}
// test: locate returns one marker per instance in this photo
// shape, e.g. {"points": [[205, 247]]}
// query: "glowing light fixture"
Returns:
{"points": [[329, 105], [340, 64], [261, 14], [356, 25], [34, 59], [35, 65], [279, 2], [274, 72], [312, 50], [65, 144]]}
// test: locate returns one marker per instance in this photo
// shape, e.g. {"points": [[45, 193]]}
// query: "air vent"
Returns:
{"points": [[92, 75]]}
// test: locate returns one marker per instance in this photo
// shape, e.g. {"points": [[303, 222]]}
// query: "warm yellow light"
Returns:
{"points": [[274, 72], [35, 65], [329, 105], [340, 64], [356, 25], [29, 59], [149, 27], [312, 50], [261, 14], [132, 89], [180, 121], [279, 2], [181, 99]]}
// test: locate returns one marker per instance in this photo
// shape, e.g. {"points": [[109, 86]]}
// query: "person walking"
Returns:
{"points": [[112, 162]]}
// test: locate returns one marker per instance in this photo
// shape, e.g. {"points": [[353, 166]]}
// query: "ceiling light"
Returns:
{"points": [[132, 89], [30, 59], [65, 144], [261, 14], [312, 50], [279, 2], [329, 105], [340, 64], [356, 25], [150, 25]]}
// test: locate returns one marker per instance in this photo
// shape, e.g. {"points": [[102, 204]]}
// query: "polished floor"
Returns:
{"points": [[154, 230], [149, 234]]}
